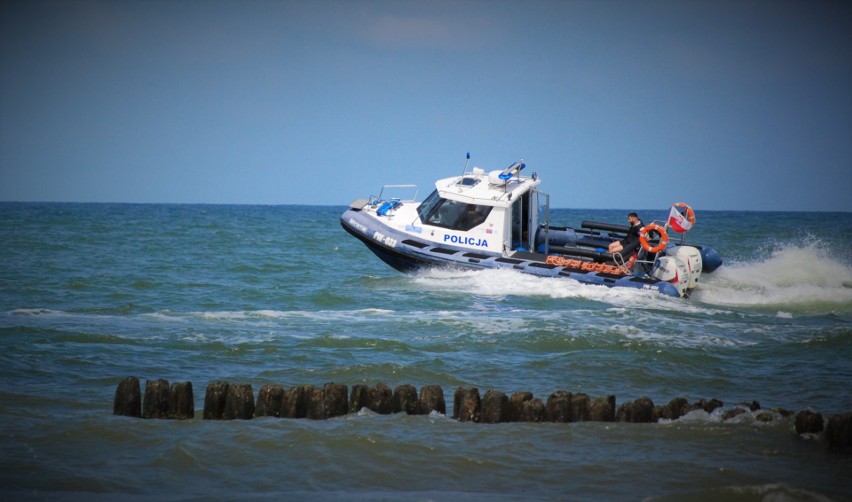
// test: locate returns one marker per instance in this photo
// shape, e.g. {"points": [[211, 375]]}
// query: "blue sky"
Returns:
{"points": [[743, 105]]}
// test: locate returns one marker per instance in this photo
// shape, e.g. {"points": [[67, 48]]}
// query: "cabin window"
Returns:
{"points": [[451, 214]]}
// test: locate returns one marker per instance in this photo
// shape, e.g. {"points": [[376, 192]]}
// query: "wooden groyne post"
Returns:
{"points": [[161, 401], [230, 401]]}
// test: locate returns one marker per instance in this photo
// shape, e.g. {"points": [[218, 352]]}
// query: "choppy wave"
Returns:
{"points": [[253, 295], [791, 280]]}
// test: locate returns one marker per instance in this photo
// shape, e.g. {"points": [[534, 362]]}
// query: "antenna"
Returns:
{"points": [[465, 164]]}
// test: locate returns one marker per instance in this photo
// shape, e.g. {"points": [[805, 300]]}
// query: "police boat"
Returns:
{"points": [[499, 219]]}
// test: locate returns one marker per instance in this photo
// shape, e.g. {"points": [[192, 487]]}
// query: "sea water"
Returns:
{"points": [[93, 293]]}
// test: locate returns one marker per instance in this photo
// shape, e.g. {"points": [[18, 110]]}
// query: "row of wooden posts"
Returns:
{"points": [[229, 401]]}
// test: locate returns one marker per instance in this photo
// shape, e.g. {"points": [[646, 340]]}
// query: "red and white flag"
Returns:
{"points": [[678, 222]]}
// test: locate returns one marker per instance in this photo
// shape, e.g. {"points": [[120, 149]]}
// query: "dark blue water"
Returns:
{"points": [[92, 293]]}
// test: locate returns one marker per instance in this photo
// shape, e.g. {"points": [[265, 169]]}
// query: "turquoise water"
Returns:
{"points": [[93, 293]]}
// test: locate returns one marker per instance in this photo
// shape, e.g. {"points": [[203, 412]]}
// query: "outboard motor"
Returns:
{"points": [[672, 270], [682, 265], [692, 258]]}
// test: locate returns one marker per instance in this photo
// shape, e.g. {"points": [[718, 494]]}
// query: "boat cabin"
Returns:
{"points": [[498, 211]]}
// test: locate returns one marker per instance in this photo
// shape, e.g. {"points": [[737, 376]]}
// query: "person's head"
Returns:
{"points": [[633, 218]]}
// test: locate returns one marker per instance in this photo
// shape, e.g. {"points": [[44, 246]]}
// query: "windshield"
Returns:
{"points": [[451, 214]]}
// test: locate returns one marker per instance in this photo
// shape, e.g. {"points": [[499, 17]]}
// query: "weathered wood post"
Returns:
{"points": [[327, 402], [314, 403], [710, 405], [808, 422], [676, 408], [516, 405], [214, 400], [338, 399], [558, 407], [405, 399], [239, 402], [495, 407], [580, 404], [357, 398], [156, 403], [294, 401], [838, 432], [181, 401], [467, 404], [128, 398], [269, 400], [639, 411], [380, 399], [523, 407], [431, 398], [602, 409]]}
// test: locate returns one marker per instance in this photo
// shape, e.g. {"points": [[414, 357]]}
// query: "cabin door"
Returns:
{"points": [[542, 224], [528, 212]]}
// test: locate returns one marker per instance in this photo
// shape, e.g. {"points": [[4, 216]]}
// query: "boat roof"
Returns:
{"points": [[487, 189]]}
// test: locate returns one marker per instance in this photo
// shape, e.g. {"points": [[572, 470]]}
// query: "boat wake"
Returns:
{"points": [[792, 280], [502, 283], [795, 280]]}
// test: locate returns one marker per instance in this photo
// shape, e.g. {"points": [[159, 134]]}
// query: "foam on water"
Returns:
{"points": [[501, 283], [36, 312], [794, 279]]}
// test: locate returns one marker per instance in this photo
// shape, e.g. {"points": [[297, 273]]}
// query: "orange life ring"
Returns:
{"points": [[690, 214], [643, 238]]}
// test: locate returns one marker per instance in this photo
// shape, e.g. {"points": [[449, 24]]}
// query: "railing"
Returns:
{"points": [[382, 195]]}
